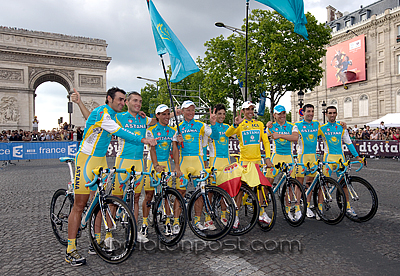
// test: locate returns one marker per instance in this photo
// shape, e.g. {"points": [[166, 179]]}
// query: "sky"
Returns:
{"points": [[125, 25]]}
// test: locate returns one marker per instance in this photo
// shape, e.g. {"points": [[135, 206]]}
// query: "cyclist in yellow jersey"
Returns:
{"points": [[250, 133]]}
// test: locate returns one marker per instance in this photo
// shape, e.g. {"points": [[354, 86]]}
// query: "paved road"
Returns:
{"points": [[28, 246]]}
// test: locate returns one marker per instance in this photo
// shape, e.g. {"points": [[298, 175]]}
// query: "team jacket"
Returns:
{"points": [[136, 125], [308, 137], [99, 128], [250, 134], [193, 133], [282, 146], [333, 134], [219, 143], [167, 135]]}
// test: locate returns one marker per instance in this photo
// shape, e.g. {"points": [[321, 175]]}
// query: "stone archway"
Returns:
{"points": [[30, 58]]}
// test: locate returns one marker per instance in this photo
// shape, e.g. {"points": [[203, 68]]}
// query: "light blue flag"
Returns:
{"points": [[182, 64], [292, 10]]}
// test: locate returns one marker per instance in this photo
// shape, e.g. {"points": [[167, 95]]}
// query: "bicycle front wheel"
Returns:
{"points": [[60, 207], [362, 197], [120, 230], [169, 217], [248, 211], [329, 200], [267, 203], [214, 207], [293, 202]]}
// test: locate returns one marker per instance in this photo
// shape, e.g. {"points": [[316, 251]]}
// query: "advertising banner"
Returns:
{"points": [[345, 62], [37, 150]]}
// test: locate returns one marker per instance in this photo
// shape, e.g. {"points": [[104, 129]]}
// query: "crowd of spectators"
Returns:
{"points": [[379, 133], [64, 133]]}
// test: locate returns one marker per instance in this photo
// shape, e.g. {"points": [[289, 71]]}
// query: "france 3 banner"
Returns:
{"points": [[37, 150]]}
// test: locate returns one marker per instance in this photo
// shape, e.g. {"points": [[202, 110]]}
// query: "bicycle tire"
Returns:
{"points": [[167, 200], [60, 208], [269, 206], [216, 194], [248, 212], [333, 207], [289, 194], [367, 203], [124, 233]]}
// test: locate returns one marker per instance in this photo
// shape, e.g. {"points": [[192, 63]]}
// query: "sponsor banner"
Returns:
{"points": [[37, 150], [363, 147]]}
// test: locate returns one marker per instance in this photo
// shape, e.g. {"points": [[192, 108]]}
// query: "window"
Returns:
{"points": [[363, 105], [398, 64], [363, 17], [398, 30], [347, 23], [381, 106], [398, 101], [347, 108], [380, 67], [381, 38], [334, 29]]}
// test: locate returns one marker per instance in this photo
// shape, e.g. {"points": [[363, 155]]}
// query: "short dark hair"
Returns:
{"points": [[331, 107], [218, 107], [132, 93], [307, 106], [111, 92]]}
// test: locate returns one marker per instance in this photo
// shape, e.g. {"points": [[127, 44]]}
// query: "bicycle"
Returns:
{"points": [[361, 194], [332, 210], [166, 203], [98, 215], [204, 202], [288, 189]]}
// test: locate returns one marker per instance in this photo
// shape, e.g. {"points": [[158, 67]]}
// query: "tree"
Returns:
{"points": [[220, 68], [280, 60]]}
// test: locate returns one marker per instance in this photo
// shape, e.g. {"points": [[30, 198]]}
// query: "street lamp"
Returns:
{"points": [[233, 29], [323, 110], [300, 98], [352, 32], [151, 80]]}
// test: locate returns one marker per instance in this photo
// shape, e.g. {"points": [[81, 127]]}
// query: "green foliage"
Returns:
{"points": [[279, 60], [289, 116]]}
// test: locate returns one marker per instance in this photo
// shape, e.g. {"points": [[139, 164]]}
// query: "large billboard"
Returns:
{"points": [[345, 62]]}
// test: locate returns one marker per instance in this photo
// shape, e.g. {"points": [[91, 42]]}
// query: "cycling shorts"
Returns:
{"points": [[218, 162], [191, 164], [122, 163], [304, 158], [83, 171], [277, 158], [329, 168]]}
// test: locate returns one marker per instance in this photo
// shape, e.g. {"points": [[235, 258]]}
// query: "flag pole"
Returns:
{"points": [[170, 95]]}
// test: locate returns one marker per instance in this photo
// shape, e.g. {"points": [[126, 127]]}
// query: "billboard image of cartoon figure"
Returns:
{"points": [[345, 62]]}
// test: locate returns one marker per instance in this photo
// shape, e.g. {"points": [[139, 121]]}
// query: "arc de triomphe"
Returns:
{"points": [[30, 58]]}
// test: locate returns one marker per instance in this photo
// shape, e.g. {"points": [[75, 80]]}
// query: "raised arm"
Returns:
{"points": [[76, 98]]}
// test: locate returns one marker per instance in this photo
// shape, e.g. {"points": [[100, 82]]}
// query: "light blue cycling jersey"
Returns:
{"points": [[219, 144], [282, 146], [193, 133], [99, 128], [308, 137], [167, 135], [332, 135], [137, 125]]}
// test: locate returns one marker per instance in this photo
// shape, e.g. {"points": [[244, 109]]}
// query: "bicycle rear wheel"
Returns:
{"points": [[165, 207], [60, 207], [363, 199], [330, 194], [119, 247], [267, 203], [293, 197], [214, 197], [248, 211]]}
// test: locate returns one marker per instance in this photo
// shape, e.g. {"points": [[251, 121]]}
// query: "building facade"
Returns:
{"points": [[367, 98]]}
